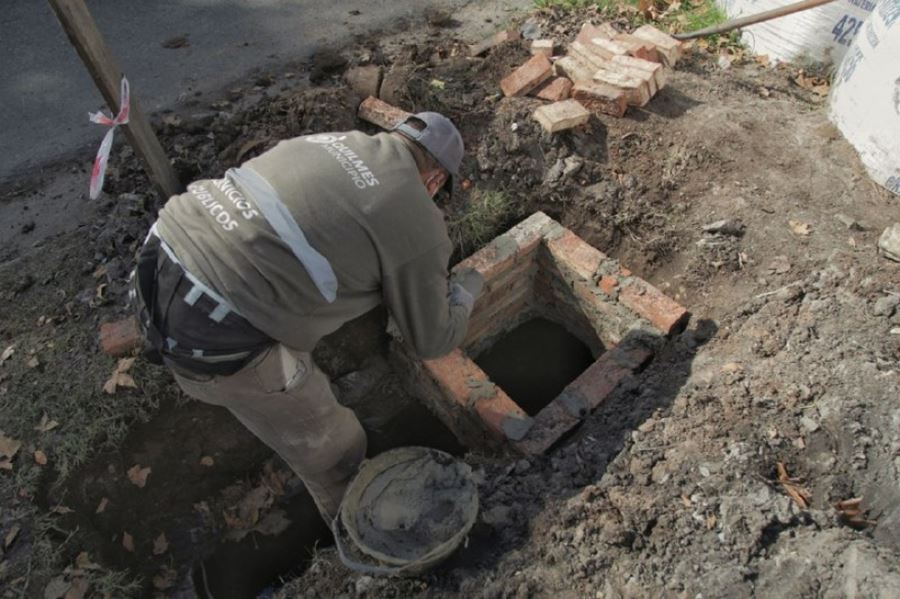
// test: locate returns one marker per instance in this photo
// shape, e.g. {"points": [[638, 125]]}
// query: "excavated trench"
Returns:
{"points": [[258, 563]]}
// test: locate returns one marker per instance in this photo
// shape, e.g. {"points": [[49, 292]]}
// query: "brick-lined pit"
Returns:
{"points": [[541, 268]]}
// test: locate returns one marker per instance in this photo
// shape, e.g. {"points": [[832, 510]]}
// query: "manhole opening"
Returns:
{"points": [[535, 361]]}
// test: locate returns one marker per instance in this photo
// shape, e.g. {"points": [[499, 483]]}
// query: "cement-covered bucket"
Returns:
{"points": [[406, 511]]}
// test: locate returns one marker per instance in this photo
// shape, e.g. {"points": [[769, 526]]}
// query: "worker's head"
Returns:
{"points": [[437, 148]]}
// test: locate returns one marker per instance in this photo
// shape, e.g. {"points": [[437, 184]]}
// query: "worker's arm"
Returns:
{"points": [[418, 295]]}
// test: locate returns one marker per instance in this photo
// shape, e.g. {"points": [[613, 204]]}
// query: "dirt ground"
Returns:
{"points": [[672, 488]]}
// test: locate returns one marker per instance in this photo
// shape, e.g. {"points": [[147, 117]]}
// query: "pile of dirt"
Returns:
{"points": [[671, 488]]}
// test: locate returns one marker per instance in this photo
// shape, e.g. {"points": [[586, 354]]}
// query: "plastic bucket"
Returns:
{"points": [[407, 510]]}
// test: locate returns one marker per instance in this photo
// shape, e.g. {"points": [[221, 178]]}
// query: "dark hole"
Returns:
{"points": [[534, 362]]}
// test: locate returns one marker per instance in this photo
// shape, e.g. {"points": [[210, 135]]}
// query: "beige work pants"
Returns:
{"points": [[286, 401]]}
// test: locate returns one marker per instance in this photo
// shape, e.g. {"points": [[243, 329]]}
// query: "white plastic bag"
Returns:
{"points": [[821, 34], [865, 96]]}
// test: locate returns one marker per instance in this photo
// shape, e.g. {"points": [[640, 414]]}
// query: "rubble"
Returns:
{"points": [[544, 47], [493, 41], [120, 338], [889, 242], [560, 116], [380, 113], [555, 90], [601, 98], [667, 46], [527, 77], [610, 70]]}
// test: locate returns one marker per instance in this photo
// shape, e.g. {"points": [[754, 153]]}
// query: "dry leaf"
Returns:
{"points": [[128, 542], [7, 353], [11, 536], [120, 376], [5, 464], [207, 461], [101, 507], [8, 447], [57, 588], [46, 425], [78, 589], [274, 523], [100, 272], [800, 495], [817, 85], [40, 458], [61, 509], [800, 227], [138, 476], [160, 544], [33, 362], [165, 579], [83, 562]]}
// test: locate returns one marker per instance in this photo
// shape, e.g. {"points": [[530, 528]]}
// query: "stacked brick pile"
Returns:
{"points": [[604, 71]]}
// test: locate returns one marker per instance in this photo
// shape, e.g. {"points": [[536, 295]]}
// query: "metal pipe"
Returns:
{"points": [[752, 19]]}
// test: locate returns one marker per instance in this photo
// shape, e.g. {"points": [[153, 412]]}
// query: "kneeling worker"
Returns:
{"points": [[241, 276]]}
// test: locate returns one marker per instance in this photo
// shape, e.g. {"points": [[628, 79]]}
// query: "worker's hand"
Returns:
{"points": [[459, 296], [471, 280]]}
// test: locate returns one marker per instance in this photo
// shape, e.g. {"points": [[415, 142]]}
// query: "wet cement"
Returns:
{"points": [[534, 362]]}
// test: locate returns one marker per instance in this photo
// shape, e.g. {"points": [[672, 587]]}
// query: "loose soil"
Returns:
{"points": [[671, 488]]}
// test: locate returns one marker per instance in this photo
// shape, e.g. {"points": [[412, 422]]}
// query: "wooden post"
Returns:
{"points": [[79, 25]]}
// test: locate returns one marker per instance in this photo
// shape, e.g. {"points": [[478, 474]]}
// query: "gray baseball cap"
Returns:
{"points": [[439, 137]]}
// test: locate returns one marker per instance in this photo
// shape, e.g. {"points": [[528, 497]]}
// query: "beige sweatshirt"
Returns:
{"points": [[361, 204]]}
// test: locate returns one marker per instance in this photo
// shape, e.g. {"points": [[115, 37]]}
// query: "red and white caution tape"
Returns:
{"points": [[99, 171]]}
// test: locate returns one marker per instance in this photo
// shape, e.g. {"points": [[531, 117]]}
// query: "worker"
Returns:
{"points": [[241, 276]]}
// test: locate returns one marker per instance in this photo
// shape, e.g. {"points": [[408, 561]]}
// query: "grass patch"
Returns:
{"points": [[487, 211], [687, 15]]}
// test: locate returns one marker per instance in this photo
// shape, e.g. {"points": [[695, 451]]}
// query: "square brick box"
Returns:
{"points": [[541, 269]]}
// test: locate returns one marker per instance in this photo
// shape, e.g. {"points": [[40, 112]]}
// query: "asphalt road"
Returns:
{"points": [[46, 93]]}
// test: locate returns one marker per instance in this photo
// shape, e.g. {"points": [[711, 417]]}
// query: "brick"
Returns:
{"points": [[381, 113], [574, 68], [467, 386], [606, 48], [503, 416], [601, 98], [503, 252], [637, 91], [120, 338], [668, 47], [586, 55], [655, 69], [529, 233], [527, 77], [637, 47], [608, 285], [560, 116], [632, 71], [602, 377], [573, 253], [589, 31], [556, 90], [549, 426], [650, 303], [581, 397], [365, 81], [498, 38], [544, 47]]}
